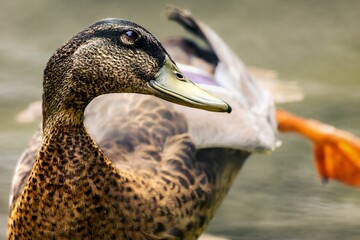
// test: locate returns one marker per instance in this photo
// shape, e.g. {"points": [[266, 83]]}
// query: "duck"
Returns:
{"points": [[181, 159], [112, 161]]}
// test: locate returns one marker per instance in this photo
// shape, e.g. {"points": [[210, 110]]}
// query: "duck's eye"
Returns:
{"points": [[129, 37], [131, 34]]}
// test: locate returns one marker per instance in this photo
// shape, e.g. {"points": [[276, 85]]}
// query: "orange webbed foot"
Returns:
{"points": [[336, 152]]}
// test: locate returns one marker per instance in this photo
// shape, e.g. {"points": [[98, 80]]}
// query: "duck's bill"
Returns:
{"points": [[171, 85]]}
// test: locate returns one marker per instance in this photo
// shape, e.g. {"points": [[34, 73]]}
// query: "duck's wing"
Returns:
{"points": [[159, 150], [251, 126], [336, 152], [24, 165]]}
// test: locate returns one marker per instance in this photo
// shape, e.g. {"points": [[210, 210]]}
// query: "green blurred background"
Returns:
{"points": [[316, 43]]}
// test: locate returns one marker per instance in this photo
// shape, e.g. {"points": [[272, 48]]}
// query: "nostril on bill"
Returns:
{"points": [[179, 76]]}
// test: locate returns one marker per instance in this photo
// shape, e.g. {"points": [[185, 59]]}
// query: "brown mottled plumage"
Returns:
{"points": [[143, 178]]}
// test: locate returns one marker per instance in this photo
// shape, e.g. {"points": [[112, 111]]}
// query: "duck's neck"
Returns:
{"points": [[72, 146], [63, 109], [69, 151], [64, 121]]}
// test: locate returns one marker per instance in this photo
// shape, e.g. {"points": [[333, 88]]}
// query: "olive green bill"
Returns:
{"points": [[171, 85]]}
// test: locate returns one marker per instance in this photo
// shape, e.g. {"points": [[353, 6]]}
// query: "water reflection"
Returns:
{"points": [[314, 43]]}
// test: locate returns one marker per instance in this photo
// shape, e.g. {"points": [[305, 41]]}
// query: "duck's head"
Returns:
{"points": [[114, 56]]}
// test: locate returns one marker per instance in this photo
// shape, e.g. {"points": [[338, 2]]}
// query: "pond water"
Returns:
{"points": [[315, 43]]}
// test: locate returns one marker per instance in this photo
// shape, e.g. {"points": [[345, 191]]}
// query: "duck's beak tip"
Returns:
{"points": [[229, 109]]}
